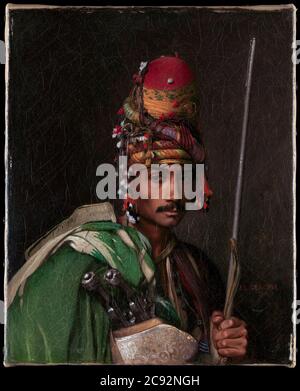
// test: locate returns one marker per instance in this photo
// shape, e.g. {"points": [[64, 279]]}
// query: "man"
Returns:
{"points": [[97, 290]]}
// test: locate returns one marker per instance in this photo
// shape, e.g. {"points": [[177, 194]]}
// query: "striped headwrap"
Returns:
{"points": [[157, 122]]}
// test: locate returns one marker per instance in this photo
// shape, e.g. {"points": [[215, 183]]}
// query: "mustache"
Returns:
{"points": [[172, 206]]}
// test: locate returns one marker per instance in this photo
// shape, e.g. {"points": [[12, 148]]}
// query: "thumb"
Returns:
{"points": [[217, 318]]}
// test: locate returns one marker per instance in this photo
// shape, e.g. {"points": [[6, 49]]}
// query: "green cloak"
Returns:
{"points": [[51, 318]]}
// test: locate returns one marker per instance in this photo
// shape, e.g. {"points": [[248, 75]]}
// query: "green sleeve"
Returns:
{"points": [[55, 320]]}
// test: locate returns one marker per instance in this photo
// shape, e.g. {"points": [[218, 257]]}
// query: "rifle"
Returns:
{"points": [[234, 264]]}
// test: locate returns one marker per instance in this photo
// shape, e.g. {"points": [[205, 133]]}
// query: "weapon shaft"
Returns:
{"points": [[238, 192], [234, 265]]}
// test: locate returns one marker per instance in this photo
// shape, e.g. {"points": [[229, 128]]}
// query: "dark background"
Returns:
{"points": [[70, 72]]}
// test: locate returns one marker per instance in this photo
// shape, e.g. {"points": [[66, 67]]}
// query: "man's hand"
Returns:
{"points": [[229, 336]]}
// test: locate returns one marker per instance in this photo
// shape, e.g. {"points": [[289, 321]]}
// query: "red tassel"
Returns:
{"points": [[137, 79], [127, 201]]}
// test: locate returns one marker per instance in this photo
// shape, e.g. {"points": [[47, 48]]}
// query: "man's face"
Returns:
{"points": [[164, 212]]}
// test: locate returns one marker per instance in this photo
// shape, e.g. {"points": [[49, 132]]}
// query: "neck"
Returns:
{"points": [[158, 236]]}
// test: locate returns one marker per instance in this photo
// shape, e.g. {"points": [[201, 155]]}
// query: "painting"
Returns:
{"points": [[150, 185]]}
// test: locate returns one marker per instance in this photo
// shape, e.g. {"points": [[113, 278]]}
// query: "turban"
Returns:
{"points": [[157, 122]]}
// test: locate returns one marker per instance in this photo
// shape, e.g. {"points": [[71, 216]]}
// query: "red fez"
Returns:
{"points": [[168, 73]]}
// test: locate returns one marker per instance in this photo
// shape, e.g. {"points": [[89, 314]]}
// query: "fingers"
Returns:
{"points": [[229, 335], [217, 319], [236, 332], [235, 343], [231, 323]]}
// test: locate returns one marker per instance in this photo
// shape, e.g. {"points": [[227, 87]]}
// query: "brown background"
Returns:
{"points": [[70, 71]]}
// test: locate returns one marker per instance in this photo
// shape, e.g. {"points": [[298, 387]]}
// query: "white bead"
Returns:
{"points": [[143, 65], [131, 220]]}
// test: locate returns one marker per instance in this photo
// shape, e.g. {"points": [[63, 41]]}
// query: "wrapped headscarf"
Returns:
{"points": [[157, 122]]}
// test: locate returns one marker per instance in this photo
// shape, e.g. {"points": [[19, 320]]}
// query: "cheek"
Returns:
{"points": [[147, 208]]}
